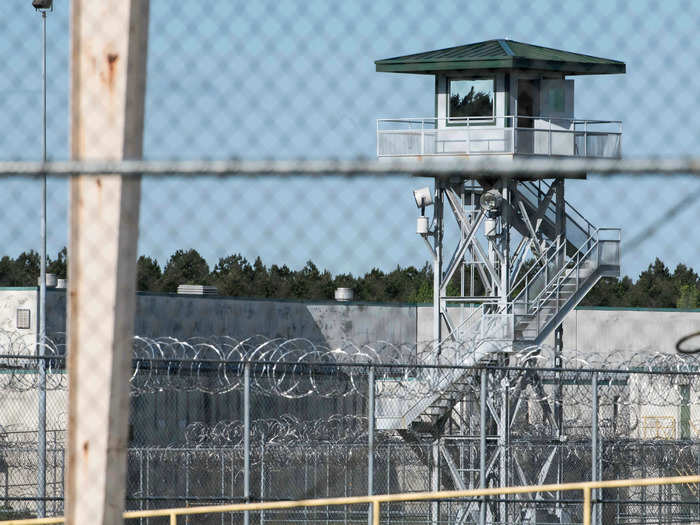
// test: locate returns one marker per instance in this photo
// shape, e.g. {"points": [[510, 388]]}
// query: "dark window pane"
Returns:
{"points": [[471, 98]]}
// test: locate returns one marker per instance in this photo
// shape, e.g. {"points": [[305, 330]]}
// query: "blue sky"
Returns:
{"points": [[297, 80]]}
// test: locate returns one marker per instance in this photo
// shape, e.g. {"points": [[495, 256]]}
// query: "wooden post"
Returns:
{"points": [[108, 78]]}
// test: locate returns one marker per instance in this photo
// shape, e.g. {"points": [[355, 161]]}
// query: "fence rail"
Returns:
{"points": [[587, 487]]}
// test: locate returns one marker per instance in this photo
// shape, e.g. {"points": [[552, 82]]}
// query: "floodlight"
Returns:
{"points": [[423, 197], [42, 4], [490, 201]]}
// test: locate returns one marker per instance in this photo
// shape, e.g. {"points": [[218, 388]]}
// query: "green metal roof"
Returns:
{"points": [[500, 54]]}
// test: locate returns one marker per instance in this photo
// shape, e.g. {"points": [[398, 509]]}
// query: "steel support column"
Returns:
{"points": [[559, 407], [370, 439], [594, 443], [482, 443], [246, 439], [437, 262]]}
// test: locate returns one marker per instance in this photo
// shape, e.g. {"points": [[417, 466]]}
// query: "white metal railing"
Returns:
{"points": [[511, 134], [541, 284], [578, 228]]}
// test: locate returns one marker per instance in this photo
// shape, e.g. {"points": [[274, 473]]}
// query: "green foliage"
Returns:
{"points": [[59, 266], [24, 270], [148, 273], [184, 267], [472, 104], [688, 297], [656, 287]]}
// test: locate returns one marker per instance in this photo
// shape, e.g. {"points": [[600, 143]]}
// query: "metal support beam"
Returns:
{"points": [[505, 247], [246, 439], [435, 481], [437, 262], [456, 261], [482, 443], [560, 225], [41, 434], [594, 439], [559, 405], [503, 431], [370, 438]]}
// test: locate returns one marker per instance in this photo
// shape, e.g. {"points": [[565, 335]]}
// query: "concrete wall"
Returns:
{"points": [[329, 324], [603, 331], [169, 315], [586, 330], [626, 332]]}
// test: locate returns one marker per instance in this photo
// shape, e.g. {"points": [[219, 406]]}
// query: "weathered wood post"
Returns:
{"points": [[108, 79]]}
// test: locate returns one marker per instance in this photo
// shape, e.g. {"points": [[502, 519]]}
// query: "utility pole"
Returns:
{"points": [[42, 6]]}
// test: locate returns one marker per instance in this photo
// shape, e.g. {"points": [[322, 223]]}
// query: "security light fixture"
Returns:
{"points": [[423, 198], [490, 202], [44, 5]]}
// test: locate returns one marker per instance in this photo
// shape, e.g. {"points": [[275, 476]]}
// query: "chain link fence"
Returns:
{"points": [[262, 208], [309, 434]]}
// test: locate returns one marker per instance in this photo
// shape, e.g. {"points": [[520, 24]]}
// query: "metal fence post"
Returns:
{"points": [[262, 479], [246, 439], [482, 445], [41, 436], [594, 440], [370, 439]]}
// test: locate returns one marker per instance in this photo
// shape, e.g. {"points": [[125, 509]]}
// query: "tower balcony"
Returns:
{"points": [[509, 135]]}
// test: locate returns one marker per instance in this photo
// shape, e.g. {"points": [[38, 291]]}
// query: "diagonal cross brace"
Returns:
{"points": [[459, 254], [453, 199], [458, 481]]}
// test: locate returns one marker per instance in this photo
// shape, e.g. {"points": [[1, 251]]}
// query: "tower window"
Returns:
{"points": [[471, 98]]}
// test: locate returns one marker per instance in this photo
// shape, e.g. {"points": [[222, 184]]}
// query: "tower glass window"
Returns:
{"points": [[471, 98]]}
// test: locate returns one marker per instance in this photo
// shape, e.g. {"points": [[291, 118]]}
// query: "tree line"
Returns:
{"points": [[655, 287]]}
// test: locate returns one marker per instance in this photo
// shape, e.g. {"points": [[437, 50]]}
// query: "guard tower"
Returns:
{"points": [[517, 249]]}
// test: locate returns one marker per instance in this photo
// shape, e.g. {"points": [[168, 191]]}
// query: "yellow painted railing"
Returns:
{"points": [[586, 487]]}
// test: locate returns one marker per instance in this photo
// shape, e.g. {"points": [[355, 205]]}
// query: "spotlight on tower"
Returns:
{"points": [[45, 5], [423, 198], [490, 202]]}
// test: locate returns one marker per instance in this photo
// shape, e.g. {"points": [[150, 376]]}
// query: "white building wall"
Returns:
{"points": [[11, 337]]}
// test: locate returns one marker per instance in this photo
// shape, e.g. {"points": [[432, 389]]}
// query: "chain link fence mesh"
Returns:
{"points": [[296, 82]]}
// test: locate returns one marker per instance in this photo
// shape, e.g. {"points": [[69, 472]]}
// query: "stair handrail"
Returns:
{"points": [[545, 254], [465, 320], [579, 258], [539, 300], [531, 187], [592, 240]]}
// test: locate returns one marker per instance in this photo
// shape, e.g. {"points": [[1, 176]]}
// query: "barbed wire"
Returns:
{"points": [[300, 368]]}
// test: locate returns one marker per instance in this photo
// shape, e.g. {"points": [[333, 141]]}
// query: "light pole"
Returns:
{"points": [[42, 6]]}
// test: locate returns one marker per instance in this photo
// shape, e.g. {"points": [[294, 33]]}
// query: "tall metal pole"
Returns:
{"points": [[41, 434], [246, 439], [370, 440], [437, 266], [594, 437], [482, 444]]}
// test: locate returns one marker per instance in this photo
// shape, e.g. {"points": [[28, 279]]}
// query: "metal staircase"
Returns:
{"points": [[578, 229], [557, 282], [553, 285]]}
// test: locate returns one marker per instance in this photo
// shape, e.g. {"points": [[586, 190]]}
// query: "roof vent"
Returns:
{"points": [[343, 294], [196, 289], [50, 280]]}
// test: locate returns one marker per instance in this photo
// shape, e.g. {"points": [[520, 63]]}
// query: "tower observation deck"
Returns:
{"points": [[500, 97], [522, 257]]}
